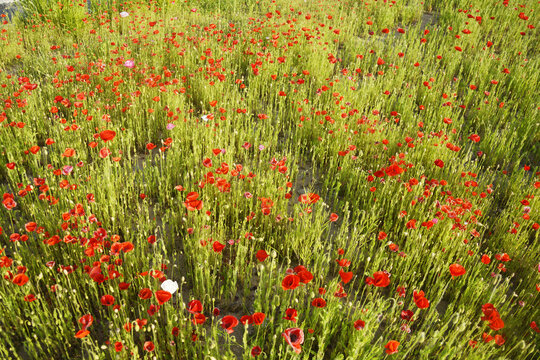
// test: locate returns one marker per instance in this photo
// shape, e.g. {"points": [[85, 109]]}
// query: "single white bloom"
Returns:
{"points": [[170, 286]]}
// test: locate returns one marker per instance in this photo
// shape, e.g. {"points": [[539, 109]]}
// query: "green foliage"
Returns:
{"points": [[348, 138]]}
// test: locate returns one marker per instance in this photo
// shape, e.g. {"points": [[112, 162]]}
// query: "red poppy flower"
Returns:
{"points": [[86, 321], [104, 152], [151, 239], [256, 351], [149, 346], [118, 346], [175, 331], [393, 170], [261, 255], [246, 319], [499, 340], [290, 282], [343, 262], [127, 247], [81, 333], [207, 162], [20, 279], [391, 347], [217, 246], [304, 275], [345, 276], [485, 259], [195, 306], [162, 296], [199, 319], [503, 257], [228, 323], [496, 324], [107, 300], [124, 285], [407, 315], [411, 224], [107, 135], [141, 322], [457, 270], [8, 201], [486, 337], [418, 294], [380, 279], [69, 152], [359, 324], [295, 338], [145, 294], [127, 326], [490, 313], [333, 217], [291, 314], [30, 227], [30, 298], [318, 302], [258, 318], [192, 203], [308, 198], [340, 293], [475, 138], [439, 163], [422, 302]]}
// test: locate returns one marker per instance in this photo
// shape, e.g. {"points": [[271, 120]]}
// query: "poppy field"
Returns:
{"points": [[232, 179]]}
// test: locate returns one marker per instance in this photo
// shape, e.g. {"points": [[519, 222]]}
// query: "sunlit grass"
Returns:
{"points": [[325, 159]]}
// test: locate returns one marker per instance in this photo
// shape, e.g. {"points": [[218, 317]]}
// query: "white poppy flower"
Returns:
{"points": [[170, 286]]}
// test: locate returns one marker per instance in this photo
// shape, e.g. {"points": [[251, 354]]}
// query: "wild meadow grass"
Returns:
{"points": [[232, 179]]}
